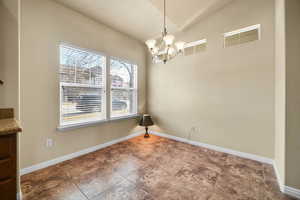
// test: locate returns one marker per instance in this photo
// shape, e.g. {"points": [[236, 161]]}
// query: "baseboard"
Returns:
{"points": [[19, 196], [285, 189], [76, 154], [279, 181], [292, 192], [217, 148]]}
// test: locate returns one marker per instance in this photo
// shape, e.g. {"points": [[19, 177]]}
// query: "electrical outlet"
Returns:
{"points": [[49, 142], [195, 129]]}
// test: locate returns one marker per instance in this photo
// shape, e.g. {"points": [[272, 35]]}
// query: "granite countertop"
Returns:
{"points": [[8, 125]]}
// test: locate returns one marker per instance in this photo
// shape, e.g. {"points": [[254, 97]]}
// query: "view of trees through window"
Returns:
{"points": [[83, 87], [123, 88]]}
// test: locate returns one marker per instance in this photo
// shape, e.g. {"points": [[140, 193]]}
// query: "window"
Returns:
{"points": [[123, 92], [241, 36], [83, 96], [195, 47], [82, 86]]}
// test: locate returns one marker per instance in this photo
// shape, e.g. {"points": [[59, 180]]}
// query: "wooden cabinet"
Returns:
{"points": [[9, 129], [8, 166]]}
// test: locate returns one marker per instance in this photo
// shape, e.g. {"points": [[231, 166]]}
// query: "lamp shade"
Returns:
{"points": [[171, 51], [150, 43], [146, 120], [169, 39], [180, 45]]}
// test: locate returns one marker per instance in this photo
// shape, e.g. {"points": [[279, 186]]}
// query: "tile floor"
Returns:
{"points": [[153, 169]]}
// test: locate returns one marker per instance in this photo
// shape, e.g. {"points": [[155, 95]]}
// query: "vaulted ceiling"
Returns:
{"points": [[143, 19]]}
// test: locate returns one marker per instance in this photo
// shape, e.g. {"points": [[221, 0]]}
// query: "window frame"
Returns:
{"points": [[106, 88], [136, 88], [240, 31], [61, 84]]}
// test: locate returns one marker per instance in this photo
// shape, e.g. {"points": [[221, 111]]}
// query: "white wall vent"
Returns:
{"points": [[195, 47], [241, 36]]}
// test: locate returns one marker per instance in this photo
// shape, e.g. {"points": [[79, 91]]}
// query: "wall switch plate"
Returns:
{"points": [[49, 142]]}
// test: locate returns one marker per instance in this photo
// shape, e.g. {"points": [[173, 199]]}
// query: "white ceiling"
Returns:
{"points": [[143, 19]]}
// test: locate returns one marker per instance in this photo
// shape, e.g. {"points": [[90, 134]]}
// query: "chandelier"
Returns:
{"points": [[164, 48]]}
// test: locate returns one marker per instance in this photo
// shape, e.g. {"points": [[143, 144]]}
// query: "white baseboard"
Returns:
{"points": [[217, 148], [285, 189], [279, 181], [19, 196], [292, 192], [76, 154]]}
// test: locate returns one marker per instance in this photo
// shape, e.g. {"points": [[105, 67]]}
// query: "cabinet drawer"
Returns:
{"points": [[8, 189], [7, 169], [7, 146]]}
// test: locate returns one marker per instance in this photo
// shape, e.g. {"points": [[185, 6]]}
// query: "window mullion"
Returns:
{"points": [[108, 88], [60, 102]]}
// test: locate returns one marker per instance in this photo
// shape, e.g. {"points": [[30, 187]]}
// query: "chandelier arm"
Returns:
{"points": [[161, 44], [164, 44]]}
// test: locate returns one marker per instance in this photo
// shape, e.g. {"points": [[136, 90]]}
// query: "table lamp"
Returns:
{"points": [[146, 121]]}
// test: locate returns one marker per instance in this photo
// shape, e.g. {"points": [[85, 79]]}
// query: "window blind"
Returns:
{"points": [[241, 36], [195, 47], [82, 86]]}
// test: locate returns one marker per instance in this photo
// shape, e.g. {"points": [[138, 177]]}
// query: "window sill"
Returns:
{"points": [[87, 124]]}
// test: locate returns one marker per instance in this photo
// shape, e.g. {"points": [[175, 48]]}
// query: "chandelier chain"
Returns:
{"points": [[164, 48], [165, 28]]}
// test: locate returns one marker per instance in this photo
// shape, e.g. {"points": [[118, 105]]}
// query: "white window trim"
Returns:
{"points": [[242, 30], [107, 93], [80, 85], [195, 43], [61, 84], [246, 29], [94, 123], [120, 88], [107, 90]]}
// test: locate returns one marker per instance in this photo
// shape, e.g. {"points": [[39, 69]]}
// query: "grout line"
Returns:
{"points": [[80, 190], [146, 165], [60, 159], [135, 186], [216, 148], [71, 180]]}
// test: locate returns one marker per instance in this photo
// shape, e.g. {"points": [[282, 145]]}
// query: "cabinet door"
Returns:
{"points": [[6, 143], [8, 189], [8, 167]]}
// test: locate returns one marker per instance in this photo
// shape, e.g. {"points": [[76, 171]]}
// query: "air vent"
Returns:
{"points": [[195, 47], [241, 36]]}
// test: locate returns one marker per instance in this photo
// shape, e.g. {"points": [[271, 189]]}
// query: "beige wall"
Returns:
{"points": [[227, 95], [292, 93], [9, 54], [280, 91], [44, 25]]}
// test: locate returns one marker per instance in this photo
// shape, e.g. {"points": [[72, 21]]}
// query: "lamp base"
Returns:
{"points": [[146, 134]]}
